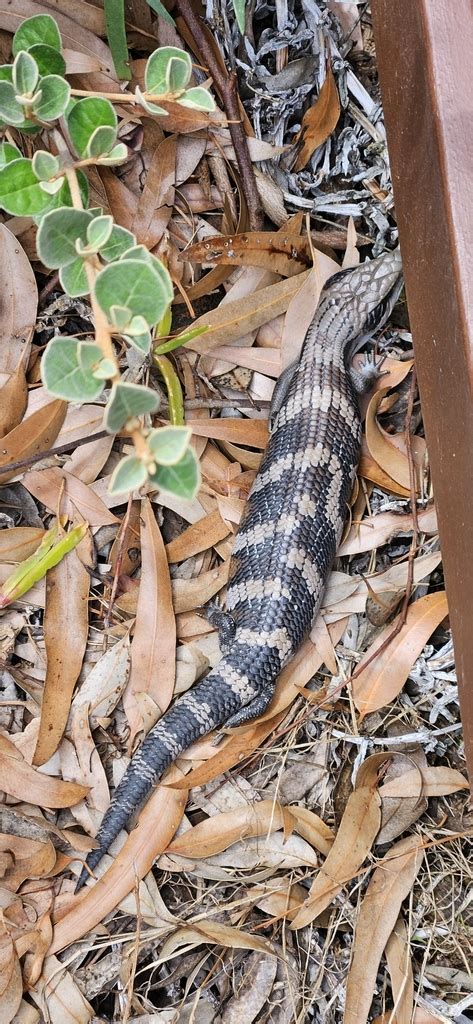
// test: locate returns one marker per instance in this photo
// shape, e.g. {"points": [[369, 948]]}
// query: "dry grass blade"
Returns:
{"points": [[392, 881]]}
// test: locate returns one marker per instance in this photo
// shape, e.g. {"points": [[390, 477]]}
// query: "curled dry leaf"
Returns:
{"points": [[35, 434], [392, 881], [319, 121], [401, 809], [388, 457], [358, 829], [255, 991], [153, 649], [104, 685], [195, 933], [57, 990], [369, 469], [383, 678], [156, 826], [285, 254], [25, 858], [258, 819], [19, 778], [66, 624]]}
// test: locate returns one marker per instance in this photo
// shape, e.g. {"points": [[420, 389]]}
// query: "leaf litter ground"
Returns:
{"points": [[315, 866]]}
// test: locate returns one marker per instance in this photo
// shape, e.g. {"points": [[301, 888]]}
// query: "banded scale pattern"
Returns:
{"points": [[288, 538]]}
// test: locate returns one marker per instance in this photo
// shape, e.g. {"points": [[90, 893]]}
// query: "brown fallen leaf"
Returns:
{"points": [[13, 399], [302, 307], [389, 458], [194, 934], [261, 360], [19, 778], [398, 956], [319, 121], [353, 841], [28, 858], [66, 623], [401, 809], [19, 305], [380, 529], [11, 985], [57, 989], [156, 826], [232, 320], [155, 204], [383, 678], [391, 882], [436, 781], [33, 435], [19, 542], [369, 469], [49, 485], [251, 432], [198, 537], [222, 830], [153, 648], [283, 253], [191, 594]]}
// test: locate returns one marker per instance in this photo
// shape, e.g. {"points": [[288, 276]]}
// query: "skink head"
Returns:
{"points": [[356, 302]]}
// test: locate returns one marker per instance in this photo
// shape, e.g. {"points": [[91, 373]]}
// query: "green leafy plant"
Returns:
{"points": [[130, 290]]}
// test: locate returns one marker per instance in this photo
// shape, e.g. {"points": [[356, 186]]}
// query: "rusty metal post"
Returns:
{"points": [[424, 50]]}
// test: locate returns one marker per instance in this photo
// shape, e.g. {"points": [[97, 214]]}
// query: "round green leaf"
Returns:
{"points": [[182, 479], [49, 60], [101, 141], [117, 155], [10, 111], [129, 475], [41, 28], [20, 191], [120, 317], [51, 187], [6, 72], [138, 335], [99, 231], [105, 369], [157, 66], [55, 95], [73, 278], [197, 99], [145, 290], [25, 74], [8, 152], [45, 165], [152, 108], [168, 444], [177, 74], [85, 117], [126, 402], [118, 244], [57, 235], [62, 372]]}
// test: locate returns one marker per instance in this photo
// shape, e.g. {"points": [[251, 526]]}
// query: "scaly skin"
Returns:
{"points": [[289, 535]]}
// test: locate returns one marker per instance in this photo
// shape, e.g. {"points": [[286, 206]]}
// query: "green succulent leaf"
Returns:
{"points": [[10, 110], [129, 475], [20, 191], [168, 444], [182, 479], [120, 316], [85, 117], [105, 369], [157, 69], [41, 28], [118, 244], [181, 339], [177, 74], [126, 402], [73, 278], [117, 155], [152, 108], [138, 334], [55, 95], [99, 231], [57, 235], [145, 290], [49, 60], [25, 74], [45, 165], [197, 99], [8, 152], [101, 141], [52, 187], [63, 373]]}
